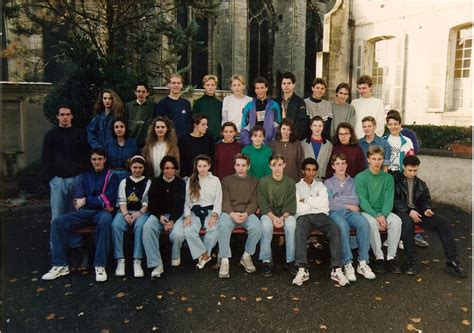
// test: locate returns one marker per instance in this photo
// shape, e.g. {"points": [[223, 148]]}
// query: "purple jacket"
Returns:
{"points": [[270, 122], [339, 196]]}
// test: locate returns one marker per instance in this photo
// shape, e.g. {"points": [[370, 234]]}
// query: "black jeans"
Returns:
{"points": [[304, 225], [435, 222]]}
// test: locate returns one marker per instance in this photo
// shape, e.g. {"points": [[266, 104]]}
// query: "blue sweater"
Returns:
{"points": [[99, 188], [178, 111], [117, 155]]}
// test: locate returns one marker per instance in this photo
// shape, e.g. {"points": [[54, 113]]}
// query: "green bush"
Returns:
{"points": [[31, 180], [441, 137]]}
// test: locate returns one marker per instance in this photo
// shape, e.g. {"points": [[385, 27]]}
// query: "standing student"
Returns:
{"points": [[367, 105], [133, 206], [317, 146], [262, 111], [107, 108], [344, 211], [239, 204], [119, 149], [210, 106], [312, 210], [198, 142], [259, 153], [400, 145], [139, 113], [160, 142], [286, 144], [226, 150], [375, 189], [371, 139], [233, 104], [292, 106], [341, 110], [176, 108], [277, 202], [407, 132], [345, 142], [202, 209], [317, 106], [165, 206]]}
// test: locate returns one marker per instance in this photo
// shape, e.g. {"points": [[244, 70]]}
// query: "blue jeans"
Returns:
{"points": [[345, 220], [267, 235], [191, 233], [62, 195], [254, 230], [119, 227], [177, 238], [64, 225]]}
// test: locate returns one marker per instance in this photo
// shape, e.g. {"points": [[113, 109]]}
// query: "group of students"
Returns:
{"points": [[268, 159]]}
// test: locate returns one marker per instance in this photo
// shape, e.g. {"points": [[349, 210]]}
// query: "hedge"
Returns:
{"points": [[441, 137]]}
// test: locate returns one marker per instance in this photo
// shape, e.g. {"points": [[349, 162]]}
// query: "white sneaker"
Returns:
{"points": [[137, 268], [224, 270], [120, 270], [385, 243], [55, 272], [349, 272], [246, 262], [156, 273], [301, 276], [176, 262], [100, 274], [201, 263], [365, 270], [338, 276]]}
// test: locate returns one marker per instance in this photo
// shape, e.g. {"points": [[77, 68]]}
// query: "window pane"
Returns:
{"points": [[468, 43], [458, 64], [458, 54], [465, 73], [467, 53], [466, 63], [457, 74]]}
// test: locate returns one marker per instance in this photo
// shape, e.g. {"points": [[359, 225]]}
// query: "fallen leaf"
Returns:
{"points": [[12, 280], [171, 292], [219, 303], [264, 289], [318, 262], [222, 296], [419, 280], [34, 279], [295, 299], [84, 272], [105, 330], [39, 290], [425, 262], [466, 322], [243, 298], [67, 285], [51, 316], [449, 294], [62, 317], [258, 299], [80, 314], [184, 298], [296, 310], [139, 307], [120, 295], [415, 320], [126, 321], [378, 298], [435, 260], [323, 327], [269, 297], [387, 282], [67, 294], [159, 296], [189, 309], [464, 308], [337, 286], [410, 327], [154, 328], [234, 297]]}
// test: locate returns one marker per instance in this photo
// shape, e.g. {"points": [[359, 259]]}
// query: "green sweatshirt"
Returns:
{"points": [[376, 192], [138, 119], [278, 197], [211, 107], [259, 160]]}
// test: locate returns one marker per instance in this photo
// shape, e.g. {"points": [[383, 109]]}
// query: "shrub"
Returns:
{"points": [[441, 137], [31, 181]]}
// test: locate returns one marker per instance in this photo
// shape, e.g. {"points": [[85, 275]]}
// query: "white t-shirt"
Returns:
{"points": [[395, 143], [232, 109], [368, 107]]}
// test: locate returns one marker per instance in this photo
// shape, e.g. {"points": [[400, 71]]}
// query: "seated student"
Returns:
{"points": [[258, 153], [344, 211], [413, 206], [277, 202], [202, 208], [371, 139], [317, 106], [317, 146], [232, 105], [96, 192], [375, 189], [239, 203], [262, 111], [400, 145], [165, 206], [133, 202], [210, 106], [312, 210], [198, 142], [225, 150]]}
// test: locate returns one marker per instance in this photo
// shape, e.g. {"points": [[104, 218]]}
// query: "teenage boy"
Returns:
{"points": [[408, 133], [262, 111], [277, 202], [139, 113], [413, 206], [239, 203], [210, 106], [312, 210], [176, 108], [375, 189], [95, 196], [344, 211], [317, 106], [400, 145], [292, 106], [258, 153], [367, 105], [370, 139], [64, 157]]}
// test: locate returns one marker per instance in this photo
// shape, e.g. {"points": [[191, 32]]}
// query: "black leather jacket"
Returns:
{"points": [[421, 195]]}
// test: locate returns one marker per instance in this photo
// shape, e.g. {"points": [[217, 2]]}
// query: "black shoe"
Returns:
{"points": [[267, 270], [393, 266], [291, 268], [455, 268], [379, 266], [410, 268]]}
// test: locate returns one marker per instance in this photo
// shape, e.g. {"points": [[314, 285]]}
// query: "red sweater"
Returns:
{"points": [[224, 158], [354, 157]]}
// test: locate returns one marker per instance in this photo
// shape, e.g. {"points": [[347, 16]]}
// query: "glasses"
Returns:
{"points": [[344, 134]]}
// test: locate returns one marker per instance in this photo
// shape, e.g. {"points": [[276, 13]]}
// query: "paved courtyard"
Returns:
{"points": [[185, 299]]}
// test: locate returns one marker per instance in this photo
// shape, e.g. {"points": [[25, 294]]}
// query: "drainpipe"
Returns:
{"points": [[351, 24]]}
